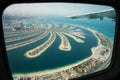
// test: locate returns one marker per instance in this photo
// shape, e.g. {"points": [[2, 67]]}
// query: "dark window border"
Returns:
{"points": [[111, 73]]}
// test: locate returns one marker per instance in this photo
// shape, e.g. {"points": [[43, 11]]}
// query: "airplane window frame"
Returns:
{"points": [[110, 72]]}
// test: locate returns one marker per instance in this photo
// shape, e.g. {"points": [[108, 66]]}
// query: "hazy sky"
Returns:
{"points": [[54, 9]]}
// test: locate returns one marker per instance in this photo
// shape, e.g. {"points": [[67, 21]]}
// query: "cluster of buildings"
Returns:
{"points": [[20, 26]]}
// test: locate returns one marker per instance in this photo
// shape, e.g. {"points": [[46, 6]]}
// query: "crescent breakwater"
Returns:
{"points": [[100, 53]]}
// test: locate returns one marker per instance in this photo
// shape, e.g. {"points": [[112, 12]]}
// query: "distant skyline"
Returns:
{"points": [[53, 9]]}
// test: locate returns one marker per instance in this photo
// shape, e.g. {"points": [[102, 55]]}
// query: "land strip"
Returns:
{"points": [[65, 44], [74, 37], [13, 46], [40, 49], [18, 33], [22, 37]]}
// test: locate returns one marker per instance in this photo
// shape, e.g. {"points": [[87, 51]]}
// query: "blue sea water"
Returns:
{"points": [[105, 26], [53, 57]]}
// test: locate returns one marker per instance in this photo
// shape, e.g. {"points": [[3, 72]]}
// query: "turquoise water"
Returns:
{"points": [[105, 26], [53, 57]]}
